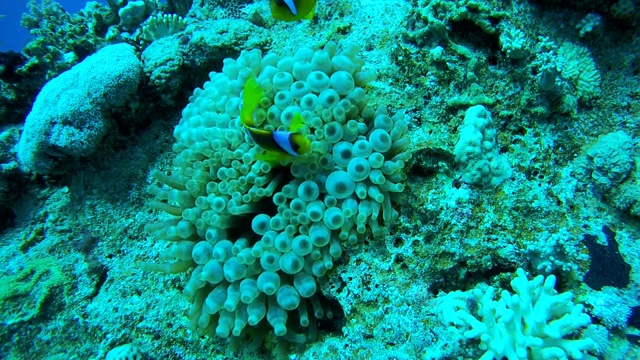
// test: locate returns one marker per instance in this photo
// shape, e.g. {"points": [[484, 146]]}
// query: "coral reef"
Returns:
{"points": [[181, 61], [370, 245], [60, 39], [17, 88], [608, 162], [609, 307], [10, 175], [568, 73]]}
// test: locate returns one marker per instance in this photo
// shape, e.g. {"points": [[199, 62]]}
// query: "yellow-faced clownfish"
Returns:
{"points": [[278, 144], [292, 10]]}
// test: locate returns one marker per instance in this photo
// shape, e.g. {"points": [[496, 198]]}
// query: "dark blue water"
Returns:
{"points": [[13, 36]]}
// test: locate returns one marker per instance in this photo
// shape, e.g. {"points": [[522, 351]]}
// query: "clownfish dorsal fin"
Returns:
{"points": [[251, 96], [297, 123]]}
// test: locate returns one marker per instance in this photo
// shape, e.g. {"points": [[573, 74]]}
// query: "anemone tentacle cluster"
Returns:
{"points": [[260, 237]]}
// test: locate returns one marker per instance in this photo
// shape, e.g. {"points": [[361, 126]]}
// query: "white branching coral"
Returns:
{"points": [[530, 324], [512, 41]]}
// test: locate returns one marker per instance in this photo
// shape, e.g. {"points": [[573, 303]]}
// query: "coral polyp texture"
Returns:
{"points": [[162, 25], [567, 72], [256, 236], [477, 150]]}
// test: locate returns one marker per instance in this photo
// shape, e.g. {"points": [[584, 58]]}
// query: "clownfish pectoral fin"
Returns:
{"points": [[272, 157], [251, 96], [297, 123]]}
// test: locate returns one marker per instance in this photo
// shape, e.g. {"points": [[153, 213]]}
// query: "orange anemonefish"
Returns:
{"points": [[278, 144], [292, 10]]}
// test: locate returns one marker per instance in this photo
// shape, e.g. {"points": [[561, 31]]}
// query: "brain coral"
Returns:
{"points": [[261, 237], [73, 112]]}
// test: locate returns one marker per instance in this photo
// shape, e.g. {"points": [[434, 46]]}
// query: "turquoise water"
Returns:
{"points": [[375, 180]]}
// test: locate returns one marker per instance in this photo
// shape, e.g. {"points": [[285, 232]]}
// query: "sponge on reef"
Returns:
{"points": [[261, 237]]}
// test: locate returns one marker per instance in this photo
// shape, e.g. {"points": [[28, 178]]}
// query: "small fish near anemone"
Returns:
{"points": [[278, 144], [292, 10]]}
